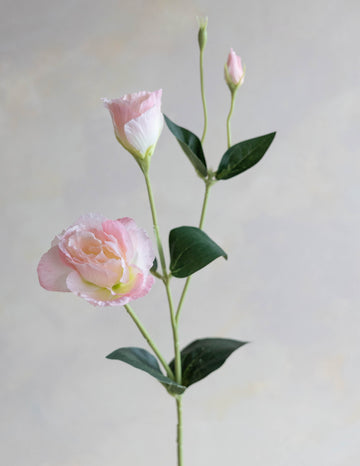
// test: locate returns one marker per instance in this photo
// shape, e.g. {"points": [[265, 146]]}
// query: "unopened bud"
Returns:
{"points": [[202, 34], [234, 71]]}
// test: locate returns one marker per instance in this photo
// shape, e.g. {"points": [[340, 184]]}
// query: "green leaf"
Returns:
{"points": [[143, 360], [190, 250], [243, 156], [191, 145], [204, 356]]}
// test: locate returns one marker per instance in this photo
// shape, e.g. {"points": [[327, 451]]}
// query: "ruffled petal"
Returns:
{"points": [[142, 251], [91, 293], [116, 229], [53, 271]]}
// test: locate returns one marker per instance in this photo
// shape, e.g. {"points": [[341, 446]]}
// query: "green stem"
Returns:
{"points": [[147, 337], [208, 185], [178, 375], [179, 430], [203, 93], [174, 325], [229, 118], [155, 224]]}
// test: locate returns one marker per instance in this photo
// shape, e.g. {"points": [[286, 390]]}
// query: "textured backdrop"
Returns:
{"points": [[290, 226]]}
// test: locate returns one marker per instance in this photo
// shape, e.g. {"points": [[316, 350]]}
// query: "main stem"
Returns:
{"points": [[147, 337], [179, 438], [174, 324]]}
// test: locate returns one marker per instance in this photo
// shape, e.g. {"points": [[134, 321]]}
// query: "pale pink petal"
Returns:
{"points": [[130, 106], [87, 222], [142, 286], [235, 68], [91, 293], [53, 271], [120, 114], [143, 132], [90, 221], [152, 99], [103, 275], [102, 296], [143, 253], [116, 229]]}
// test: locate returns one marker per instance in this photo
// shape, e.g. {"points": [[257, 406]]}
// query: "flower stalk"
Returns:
{"points": [[149, 340], [208, 183], [228, 127]]}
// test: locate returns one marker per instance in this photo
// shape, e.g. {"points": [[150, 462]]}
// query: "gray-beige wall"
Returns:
{"points": [[290, 226]]}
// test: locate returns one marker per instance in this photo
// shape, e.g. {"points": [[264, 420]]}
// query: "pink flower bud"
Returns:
{"points": [[106, 262], [234, 72], [137, 121]]}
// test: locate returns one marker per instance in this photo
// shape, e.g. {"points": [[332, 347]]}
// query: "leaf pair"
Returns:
{"points": [[237, 159], [199, 359]]}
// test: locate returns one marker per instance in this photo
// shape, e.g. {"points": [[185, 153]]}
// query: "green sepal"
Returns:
{"points": [[243, 155], [191, 145], [154, 266], [202, 357], [145, 361], [191, 249]]}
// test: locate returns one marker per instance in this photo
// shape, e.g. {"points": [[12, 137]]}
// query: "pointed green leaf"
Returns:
{"points": [[204, 356], [191, 145], [190, 250], [243, 156], [143, 360]]}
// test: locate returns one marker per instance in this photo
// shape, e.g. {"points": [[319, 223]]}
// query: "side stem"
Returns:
{"points": [[228, 129], [203, 93], [208, 185], [147, 337]]}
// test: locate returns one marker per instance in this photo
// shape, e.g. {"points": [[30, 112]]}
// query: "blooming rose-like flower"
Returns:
{"points": [[234, 72], [104, 261], [137, 121]]}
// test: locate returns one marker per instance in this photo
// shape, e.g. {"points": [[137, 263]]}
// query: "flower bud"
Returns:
{"points": [[202, 34], [137, 121], [234, 71]]}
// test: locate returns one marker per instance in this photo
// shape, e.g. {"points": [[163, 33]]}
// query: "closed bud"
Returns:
{"points": [[234, 71], [202, 34]]}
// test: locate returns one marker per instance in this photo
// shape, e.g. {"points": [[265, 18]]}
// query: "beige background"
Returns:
{"points": [[290, 226]]}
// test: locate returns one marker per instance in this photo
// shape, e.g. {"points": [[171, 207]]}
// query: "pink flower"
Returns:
{"points": [[137, 121], [234, 72], [106, 262]]}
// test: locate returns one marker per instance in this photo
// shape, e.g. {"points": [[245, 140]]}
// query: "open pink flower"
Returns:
{"points": [[234, 72], [137, 121], [106, 262]]}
